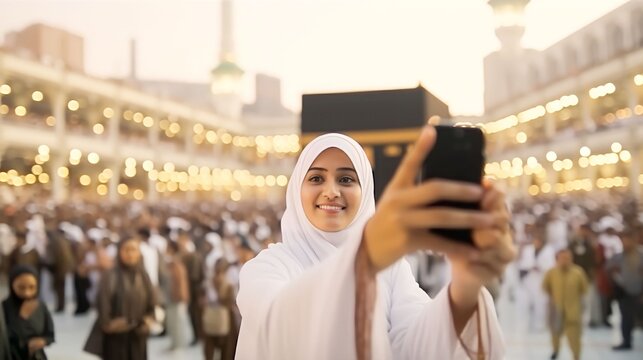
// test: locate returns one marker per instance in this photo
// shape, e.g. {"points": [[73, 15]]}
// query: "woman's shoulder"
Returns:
{"points": [[271, 256], [6, 304], [275, 260]]}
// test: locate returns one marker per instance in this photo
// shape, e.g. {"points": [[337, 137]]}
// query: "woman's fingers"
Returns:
{"points": [[493, 198], [493, 259], [407, 171], [496, 246], [447, 218], [436, 190], [500, 223]]}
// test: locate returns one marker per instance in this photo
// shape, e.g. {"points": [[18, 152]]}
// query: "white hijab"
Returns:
{"points": [[309, 244]]}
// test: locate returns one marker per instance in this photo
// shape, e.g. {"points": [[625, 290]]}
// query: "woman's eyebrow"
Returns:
{"points": [[347, 169], [338, 169]]}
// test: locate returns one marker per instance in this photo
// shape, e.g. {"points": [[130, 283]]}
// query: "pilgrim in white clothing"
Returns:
{"points": [[297, 299], [215, 254], [533, 301]]}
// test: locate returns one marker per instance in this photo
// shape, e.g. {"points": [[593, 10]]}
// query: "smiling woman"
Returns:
{"points": [[331, 192], [314, 296]]}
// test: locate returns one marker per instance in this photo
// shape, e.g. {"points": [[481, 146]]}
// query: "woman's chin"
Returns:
{"points": [[332, 227]]}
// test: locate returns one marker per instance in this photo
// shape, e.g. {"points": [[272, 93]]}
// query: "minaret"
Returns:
{"points": [[504, 70], [132, 60], [510, 24], [227, 30], [226, 78]]}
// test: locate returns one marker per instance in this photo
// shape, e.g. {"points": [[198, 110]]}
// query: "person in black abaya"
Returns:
{"points": [[28, 322], [4, 342], [125, 305]]}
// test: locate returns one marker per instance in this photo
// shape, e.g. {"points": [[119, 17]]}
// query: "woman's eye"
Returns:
{"points": [[315, 179], [346, 180]]}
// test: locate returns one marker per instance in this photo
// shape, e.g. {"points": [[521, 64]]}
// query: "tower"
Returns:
{"points": [[509, 19], [226, 77], [503, 69]]}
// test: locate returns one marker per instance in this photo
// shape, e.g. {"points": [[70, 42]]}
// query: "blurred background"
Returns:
{"points": [[181, 121]]}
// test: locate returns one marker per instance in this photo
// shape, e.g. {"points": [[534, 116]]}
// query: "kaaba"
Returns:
{"points": [[384, 122]]}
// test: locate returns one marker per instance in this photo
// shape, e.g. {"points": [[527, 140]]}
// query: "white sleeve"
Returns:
{"points": [[310, 317], [422, 328]]}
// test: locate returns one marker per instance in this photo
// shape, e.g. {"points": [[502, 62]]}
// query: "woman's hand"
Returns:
{"points": [[118, 325], [146, 326], [402, 219], [36, 344], [495, 244], [496, 251], [143, 329]]}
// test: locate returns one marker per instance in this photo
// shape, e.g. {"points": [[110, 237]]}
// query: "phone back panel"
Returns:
{"points": [[458, 154]]}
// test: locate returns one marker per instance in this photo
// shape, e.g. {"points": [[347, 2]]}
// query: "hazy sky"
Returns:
{"points": [[312, 45]]}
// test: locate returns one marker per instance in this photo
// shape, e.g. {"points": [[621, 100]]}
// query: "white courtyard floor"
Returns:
{"points": [[71, 333]]}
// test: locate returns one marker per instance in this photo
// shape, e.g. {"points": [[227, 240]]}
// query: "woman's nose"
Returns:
{"points": [[331, 190]]}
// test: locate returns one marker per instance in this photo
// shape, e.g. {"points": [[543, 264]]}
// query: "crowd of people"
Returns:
{"points": [[173, 269], [577, 257], [166, 269]]}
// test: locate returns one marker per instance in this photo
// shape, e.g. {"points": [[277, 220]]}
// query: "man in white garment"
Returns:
{"points": [[610, 241], [535, 260], [557, 230], [151, 263], [7, 240], [157, 240], [150, 257]]}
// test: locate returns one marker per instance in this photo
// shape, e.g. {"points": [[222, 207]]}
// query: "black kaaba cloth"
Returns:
{"points": [[384, 122]]}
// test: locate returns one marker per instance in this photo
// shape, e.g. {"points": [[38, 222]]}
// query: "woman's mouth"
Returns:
{"points": [[331, 208]]}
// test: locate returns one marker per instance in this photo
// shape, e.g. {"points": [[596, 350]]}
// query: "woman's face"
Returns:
{"points": [[25, 286], [331, 193], [130, 253]]}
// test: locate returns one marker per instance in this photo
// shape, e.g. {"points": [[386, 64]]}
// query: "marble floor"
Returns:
{"points": [[522, 344]]}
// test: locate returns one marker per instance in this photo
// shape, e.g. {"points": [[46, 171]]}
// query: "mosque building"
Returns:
{"points": [[564, 120], [567, 119], [70, 135]]}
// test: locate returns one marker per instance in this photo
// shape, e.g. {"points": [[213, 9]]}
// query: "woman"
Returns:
{"points": [[28, 321], [125, 305], [338, 288], [225, 297], [4, 342]]}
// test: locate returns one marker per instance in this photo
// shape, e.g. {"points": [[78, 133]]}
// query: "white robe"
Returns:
{"points": [[557, 234], [210, 260], [537, 265], [612, 244], [297, 298], [150, 262], [310, 314]]}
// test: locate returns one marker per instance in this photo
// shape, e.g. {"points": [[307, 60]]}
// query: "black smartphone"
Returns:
{"points": [[458, 154]]}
